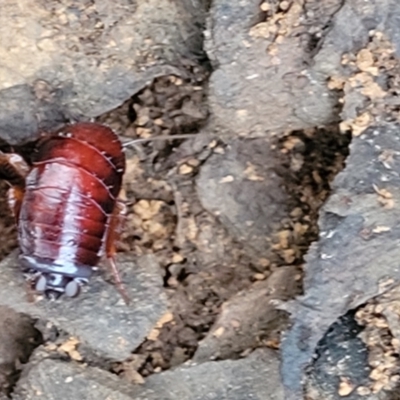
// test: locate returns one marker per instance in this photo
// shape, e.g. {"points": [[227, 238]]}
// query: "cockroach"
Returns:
{"points": [[66, 205]]}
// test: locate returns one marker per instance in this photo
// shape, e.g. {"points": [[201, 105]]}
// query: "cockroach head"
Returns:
{"points": [[55, 279]]}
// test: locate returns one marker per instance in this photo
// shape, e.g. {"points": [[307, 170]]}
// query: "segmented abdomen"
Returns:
{"points": [[70, 195]]}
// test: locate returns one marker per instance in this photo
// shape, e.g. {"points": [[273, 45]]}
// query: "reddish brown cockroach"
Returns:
{"points": [[66, 205]]}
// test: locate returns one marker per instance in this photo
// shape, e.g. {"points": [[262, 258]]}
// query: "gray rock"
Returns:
{"points": [[20, 114], [255, 377], [248, 316], [18, 338], [353, 260], [98, 317], [348, 265], [266, 81], [89, 56], [52, 379], [243, 189], [344, 37], [341, 353]]}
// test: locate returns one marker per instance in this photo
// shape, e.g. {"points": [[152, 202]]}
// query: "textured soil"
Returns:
{"points": [[275, 214], [160, 194], [159, 189]]}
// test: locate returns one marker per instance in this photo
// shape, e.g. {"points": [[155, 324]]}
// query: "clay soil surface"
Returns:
{"points": [[164, 216]]}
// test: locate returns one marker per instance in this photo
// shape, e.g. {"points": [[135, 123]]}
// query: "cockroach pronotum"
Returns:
{"points": [[66, 205]]}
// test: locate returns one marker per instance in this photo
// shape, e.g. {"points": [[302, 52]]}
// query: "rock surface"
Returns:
{"points": [[98, 317], [18, 338], [255, 377], [356, 258], [243, 189], [249, 317], [271, 66], [342, 269], [342, 357], [53, 379], [274, 67], [265, 78], [86, 58]]}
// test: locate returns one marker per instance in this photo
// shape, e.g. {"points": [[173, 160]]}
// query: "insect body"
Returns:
{"points": [[67, 209], [66, 206]]}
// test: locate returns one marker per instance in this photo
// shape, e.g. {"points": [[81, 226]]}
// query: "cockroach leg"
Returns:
{"points": [[30, 293], [14, 197], [14, 170], [114, 228], [41, 284], [30, 281], [117, 278], [72, 289]]}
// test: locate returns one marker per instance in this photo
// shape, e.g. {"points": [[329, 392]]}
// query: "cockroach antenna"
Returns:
{"points": [[165, 137]]}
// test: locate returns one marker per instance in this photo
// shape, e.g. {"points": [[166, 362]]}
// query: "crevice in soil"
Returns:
{"points": [[159, 198], [26, 339], [313, 158], [170, 105], [340, 353]]}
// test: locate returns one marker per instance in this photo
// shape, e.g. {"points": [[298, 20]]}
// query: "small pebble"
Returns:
{"points": [[185, 169], [259, 277], [284, 5], [345, 387]]}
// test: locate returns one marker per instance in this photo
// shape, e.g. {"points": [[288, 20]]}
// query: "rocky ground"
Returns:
{"points": [[260, 254]]}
